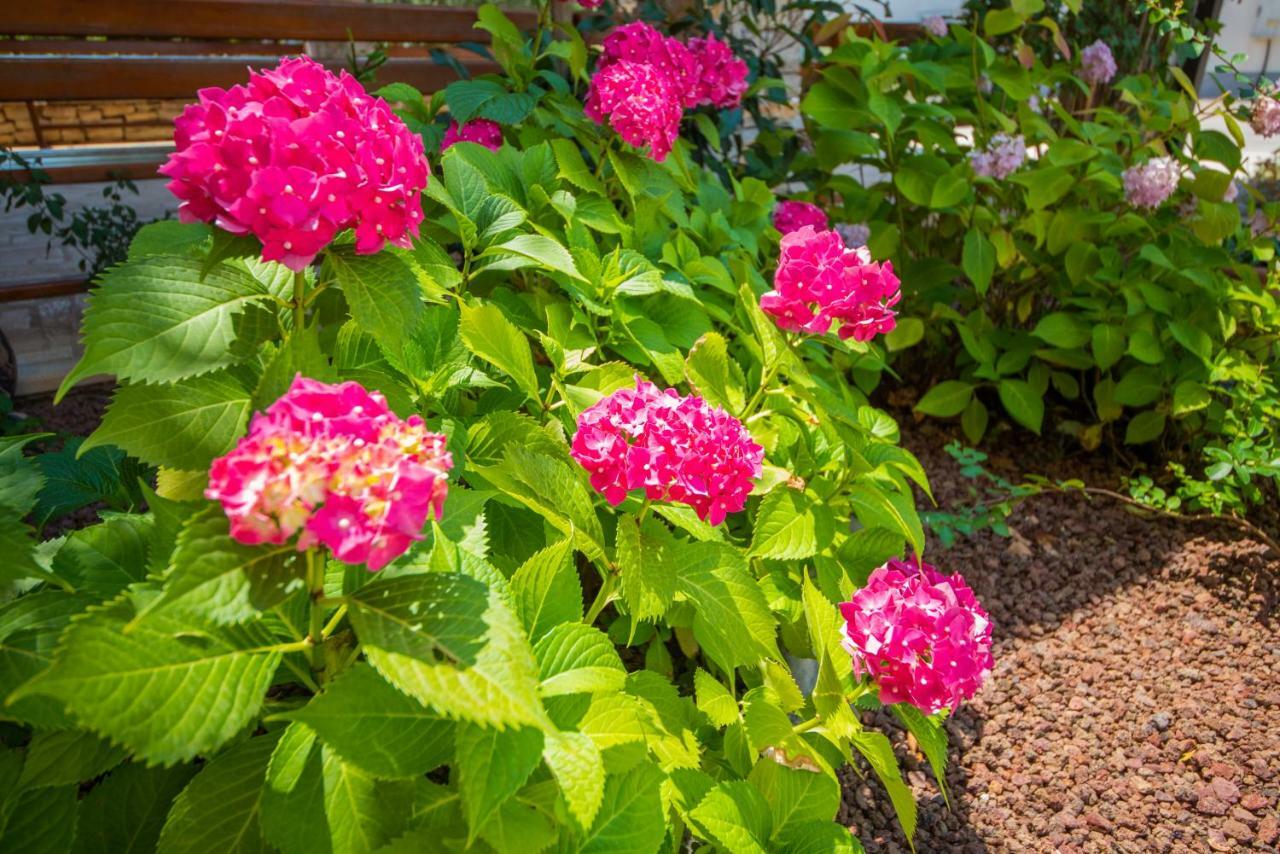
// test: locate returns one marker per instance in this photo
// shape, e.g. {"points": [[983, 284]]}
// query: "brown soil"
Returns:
{"points": [[1135, 702]]}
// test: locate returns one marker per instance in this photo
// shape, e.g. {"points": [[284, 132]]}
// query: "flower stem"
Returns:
{"points": [[805, 726], [299, 302], [602, 598], [334, 621], [315, 586]]}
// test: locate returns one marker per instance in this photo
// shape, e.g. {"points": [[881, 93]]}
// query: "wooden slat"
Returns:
{"points": [[321, 20], [145, 47], [42, 290], [76, 78]]}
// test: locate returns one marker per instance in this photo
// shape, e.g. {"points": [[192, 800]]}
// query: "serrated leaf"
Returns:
{"points": [[446, 640], [790, 525], [157, 320], [735, 816], [551, 487], [546, 590], [795, 796], [73, 480], [161, 689], [363, 813], [29, 629], [67, 757], [876, 506], [41, 821], [216, 578], [375, 727], [183, 425], [541, 249], [878, 752], [574, 658], [293, 803], [219, 809], [732, 620], [819, 837], [932, 738], [383, 297], [18, 544], [487, 333], [578, 766], [105, 558], [631, 815], [492, 765], [20, 475], [708, 369], [714, 700], [646, 567], [125, 812]]}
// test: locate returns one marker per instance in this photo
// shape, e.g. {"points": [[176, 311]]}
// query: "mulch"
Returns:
{"points": [[1135, 702]]}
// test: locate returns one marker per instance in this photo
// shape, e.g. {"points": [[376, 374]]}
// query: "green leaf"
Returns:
{"points": [[714, 700], [732, 620], [735, 816], [1023, 402], [183, 425], [574, 658], [578, 766], [29, 629], [573, 168], [908, 332], [540, 249], [168, 237], [947, 398], [795, 795], [998, 22], [363, 813], [492, 765], [464, 655], [487, 333], [1108, 345], [1062, 329], [974, 421], [383, 297], [631, 814], [978, 259], [377, 728], [546, 590], [125, 812], [41, 821], [66, 757], [1189, 396], [105, 558], [73, 480], [932, 738], [552, 487], [20, 477], [709, 374], [219, 809], [213, 577], [820, 837], [18, 544], [1144, 427], [293, 796], [790, 525], [163, 689], [1145, 347], [877, 507], [157, 320], [516, 826], [875, 747], [1140, 386], [646, 566]]}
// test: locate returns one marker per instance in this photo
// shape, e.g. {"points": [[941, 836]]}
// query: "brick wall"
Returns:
{"points": [[72, 123]]}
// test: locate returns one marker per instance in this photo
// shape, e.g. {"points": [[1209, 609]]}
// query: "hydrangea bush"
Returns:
{"points": [[1084, 240], [492, 504]]}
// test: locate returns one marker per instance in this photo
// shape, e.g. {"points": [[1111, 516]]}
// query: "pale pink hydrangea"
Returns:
{"points": [[922, 636], [294, 157], [1097, 65], [675, 448], [1265, 117], [722, 77], [820, 282], [1001, 158], [480, 131], [935, 25], [335, 465], [1232, 192], [854, 234], [1149, 184], [1260, 224], [640, 103], [984, 84], [791, 215]]}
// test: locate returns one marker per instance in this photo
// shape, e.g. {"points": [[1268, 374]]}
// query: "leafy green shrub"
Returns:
{"points": [[542, 669], [1065, 297]]}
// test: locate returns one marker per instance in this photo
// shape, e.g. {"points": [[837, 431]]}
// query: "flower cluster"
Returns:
{"points": [[791, 215], [920, 635], [480, 131], [935, 25], [1265, 117], [333, 462], [591, 4], [819, 282], [675, 448], [645, 81], [1097, 65], [1149, 184], [294, 157], [854, 234], [1002, 157]]}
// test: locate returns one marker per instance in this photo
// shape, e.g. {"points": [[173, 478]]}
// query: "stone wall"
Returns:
{"points": [[76, 123]]}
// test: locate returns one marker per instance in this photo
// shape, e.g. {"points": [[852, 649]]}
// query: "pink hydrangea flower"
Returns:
{"points": [[1265, 117], [854, 234], [675, 448], [641, 104], [920, 635], [722, 77], [591, 4], [480, 131], [791, 215], [1149, 184], [294, 157], [1097, 65], [935, 25], [820, 281], [640, 43], [334, 465], [1001, 158]]}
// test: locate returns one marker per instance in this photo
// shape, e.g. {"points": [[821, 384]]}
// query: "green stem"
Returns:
{"points": [[644, 510], [760, 392], [315, 585], [334, 621], [805, 726], [299, 300], [602, 598]]}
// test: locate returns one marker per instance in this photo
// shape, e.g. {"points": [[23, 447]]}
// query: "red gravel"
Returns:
{"points": [[1135, 702]]}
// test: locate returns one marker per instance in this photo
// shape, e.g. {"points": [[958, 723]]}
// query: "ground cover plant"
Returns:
{"points": [[1089, 246], [501, 481]]}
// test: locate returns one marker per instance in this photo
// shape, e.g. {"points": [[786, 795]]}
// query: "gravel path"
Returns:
{"points": [[1135, 703]]}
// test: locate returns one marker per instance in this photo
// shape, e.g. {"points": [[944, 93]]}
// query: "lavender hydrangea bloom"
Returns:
{"points": [[1149, 184], [854, 234], [1097, 64], [1002, 157], [935, 25]]}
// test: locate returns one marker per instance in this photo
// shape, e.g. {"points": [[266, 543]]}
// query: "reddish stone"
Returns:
{"points": [[1252, 801]]}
